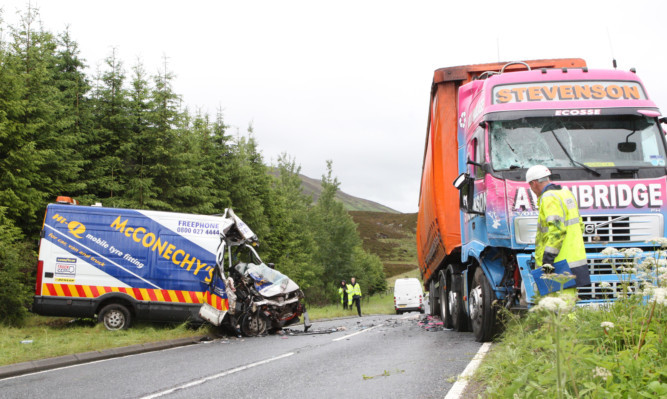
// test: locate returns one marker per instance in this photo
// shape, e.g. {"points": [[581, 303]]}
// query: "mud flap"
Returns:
{"points": [[215, 303], [211, 314]]}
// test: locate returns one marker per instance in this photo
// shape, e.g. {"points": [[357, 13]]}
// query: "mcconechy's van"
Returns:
{"points": [[121, 265]]}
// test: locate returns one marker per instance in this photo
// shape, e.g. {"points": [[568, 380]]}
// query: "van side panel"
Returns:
{"points": [[158, 263]]}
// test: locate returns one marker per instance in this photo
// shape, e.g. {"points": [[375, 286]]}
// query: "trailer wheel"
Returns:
{"points": [[482, 311], [433, 305], [444, 302], [115, 317], [456, 306]]}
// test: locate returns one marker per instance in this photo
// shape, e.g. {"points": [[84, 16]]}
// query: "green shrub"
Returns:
{"points": [[16, 260]]}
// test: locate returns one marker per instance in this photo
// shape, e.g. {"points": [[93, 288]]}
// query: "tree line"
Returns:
{"points": [[124, 138]]}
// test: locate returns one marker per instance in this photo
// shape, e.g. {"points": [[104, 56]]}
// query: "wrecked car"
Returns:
{"points": [[249, 296]]}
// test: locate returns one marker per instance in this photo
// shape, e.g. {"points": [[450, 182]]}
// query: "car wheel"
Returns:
{"points": [[482, 311], [115, 317]]}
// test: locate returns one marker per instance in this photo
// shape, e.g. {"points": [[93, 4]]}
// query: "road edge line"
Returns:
{"points": [[461, 383]]}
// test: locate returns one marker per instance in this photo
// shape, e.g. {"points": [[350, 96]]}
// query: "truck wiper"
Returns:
{"points": [[577, 163]]}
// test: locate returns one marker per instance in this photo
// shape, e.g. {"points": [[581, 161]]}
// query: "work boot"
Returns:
{"points": [[306, 321]]}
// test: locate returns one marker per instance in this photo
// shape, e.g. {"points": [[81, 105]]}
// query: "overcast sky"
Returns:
{"points": [[349, 80]]}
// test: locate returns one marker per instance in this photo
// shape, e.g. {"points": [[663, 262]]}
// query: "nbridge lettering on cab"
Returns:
{"points": [[601, 196]]}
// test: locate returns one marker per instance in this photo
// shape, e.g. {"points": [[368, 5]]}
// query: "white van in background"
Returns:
{"points": [[408, 295]]}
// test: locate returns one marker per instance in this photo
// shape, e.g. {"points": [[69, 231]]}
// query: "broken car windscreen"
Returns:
{"points": [[596, 141]]}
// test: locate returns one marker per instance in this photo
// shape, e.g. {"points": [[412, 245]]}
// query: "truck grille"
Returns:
{"points": [[595, 291], [601, 229], [599, 266], [621, 228]]}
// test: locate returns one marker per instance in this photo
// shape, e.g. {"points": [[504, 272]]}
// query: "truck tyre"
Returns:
{"points": [[433, 305], [444, 303], [115, 317], [482, 311], [456, 306]]}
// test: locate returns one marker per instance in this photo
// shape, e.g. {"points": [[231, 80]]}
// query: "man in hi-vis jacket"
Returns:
{"points": [[559, 227]]}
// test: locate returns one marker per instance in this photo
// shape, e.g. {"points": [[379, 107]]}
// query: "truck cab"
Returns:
{"points": [[601, 136]]}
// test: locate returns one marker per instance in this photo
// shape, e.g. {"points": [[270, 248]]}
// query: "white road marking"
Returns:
{"points": [[212, 377], [462, 382], [352, 335], [89, 363]]}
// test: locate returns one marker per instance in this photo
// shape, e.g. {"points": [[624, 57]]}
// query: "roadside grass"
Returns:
{"points": [[382, 303], [58, 336], [618, 352]]}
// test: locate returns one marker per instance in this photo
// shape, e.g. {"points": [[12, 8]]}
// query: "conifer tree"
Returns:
{"points": [[104, 177], [135, 151]]}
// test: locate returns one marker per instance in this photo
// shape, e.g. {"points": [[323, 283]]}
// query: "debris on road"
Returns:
{"points": [[432, 323], [291, 332]]}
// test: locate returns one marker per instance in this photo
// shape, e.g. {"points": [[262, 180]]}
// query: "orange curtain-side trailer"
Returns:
{"points": [[438, 222]]}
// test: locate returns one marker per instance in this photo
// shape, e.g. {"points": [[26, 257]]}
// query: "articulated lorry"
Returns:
{"points": [[598, 132]]}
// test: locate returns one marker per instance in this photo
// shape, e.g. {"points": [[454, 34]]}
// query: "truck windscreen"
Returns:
{"points": [[621, 141]]}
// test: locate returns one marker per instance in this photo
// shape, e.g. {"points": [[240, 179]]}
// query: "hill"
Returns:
{"points": [[313, 187], [390, 236]]}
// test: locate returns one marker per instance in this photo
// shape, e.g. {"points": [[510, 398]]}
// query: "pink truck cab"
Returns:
{"points": [[601, 136]]}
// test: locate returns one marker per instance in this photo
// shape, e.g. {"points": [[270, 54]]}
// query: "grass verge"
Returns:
{"points": [[618, 352], [44, 337], [376, 304]]}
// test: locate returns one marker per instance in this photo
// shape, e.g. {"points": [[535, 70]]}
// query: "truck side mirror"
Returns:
{"points": [[465, 184], [458, 182]]}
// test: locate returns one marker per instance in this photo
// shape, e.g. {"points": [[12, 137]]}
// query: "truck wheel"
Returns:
{"points": [[456, 306], [433, 305], [444, 303], [115, 317], [482, 311]]}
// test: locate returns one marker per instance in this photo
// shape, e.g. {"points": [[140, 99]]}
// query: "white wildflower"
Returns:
{"points": [[605, 284], [609, 251], [662, 262], [662, 241], [660, 295], [552, 304], [648, 262], [632, 252], [602, 373], [607, 325]]}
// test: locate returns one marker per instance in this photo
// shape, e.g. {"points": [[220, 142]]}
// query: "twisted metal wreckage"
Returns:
{"points": [[252, 298]]}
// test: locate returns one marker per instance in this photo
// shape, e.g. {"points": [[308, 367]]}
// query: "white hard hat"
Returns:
{"points": [[537, 172]]}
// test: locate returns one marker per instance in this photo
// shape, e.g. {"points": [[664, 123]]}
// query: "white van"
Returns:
{"points": [[408, 295]]}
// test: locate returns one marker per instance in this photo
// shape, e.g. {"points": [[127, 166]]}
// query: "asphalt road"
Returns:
{"points": [[370, 357]]}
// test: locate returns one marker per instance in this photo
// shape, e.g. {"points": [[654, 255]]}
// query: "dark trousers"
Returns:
{"points": [[357, 300]]}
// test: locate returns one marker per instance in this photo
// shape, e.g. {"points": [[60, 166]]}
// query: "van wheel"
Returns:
{"points": [[444, 302], [433, 306], [482, 311], [115, 317]]}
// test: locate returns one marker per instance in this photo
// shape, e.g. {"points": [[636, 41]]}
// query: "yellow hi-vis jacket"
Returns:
{"points": [[559, 230], [341, 291], [354, 290]]}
